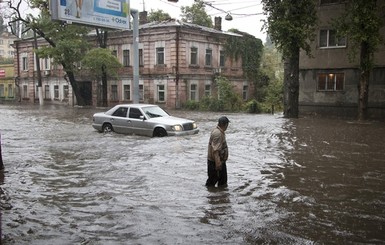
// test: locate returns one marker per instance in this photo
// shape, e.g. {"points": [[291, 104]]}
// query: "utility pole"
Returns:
{"points": [[135, 37], [39, 85]]}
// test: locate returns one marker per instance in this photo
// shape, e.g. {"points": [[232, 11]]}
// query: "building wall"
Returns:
{"points": [[335, 60], [176, 76], [6, 41], [7, 83]]}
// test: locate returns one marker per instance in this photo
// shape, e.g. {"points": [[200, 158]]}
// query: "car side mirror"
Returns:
{"points": [[142, 117]]}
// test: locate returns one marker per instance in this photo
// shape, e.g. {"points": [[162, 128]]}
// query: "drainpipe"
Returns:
{"points": [[177, 102], [17, 78]]}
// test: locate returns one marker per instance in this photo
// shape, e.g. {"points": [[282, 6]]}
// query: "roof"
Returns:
{"points": [[175, 23]]}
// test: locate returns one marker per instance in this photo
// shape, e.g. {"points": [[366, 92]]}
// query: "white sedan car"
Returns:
{"points": [[142, 119]]}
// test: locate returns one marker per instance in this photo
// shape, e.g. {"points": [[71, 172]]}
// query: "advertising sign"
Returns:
{"points": [[113, 14]]}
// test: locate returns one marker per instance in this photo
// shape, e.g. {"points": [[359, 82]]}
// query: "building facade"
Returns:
{"points": [[178, 62], [7, 83], [329, 80], [6, 44]]}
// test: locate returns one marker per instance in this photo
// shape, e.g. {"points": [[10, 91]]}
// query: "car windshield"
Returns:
{"points": [[154, 111]]}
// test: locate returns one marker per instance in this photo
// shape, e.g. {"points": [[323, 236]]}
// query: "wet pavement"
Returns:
{"points": [[291, 181]]}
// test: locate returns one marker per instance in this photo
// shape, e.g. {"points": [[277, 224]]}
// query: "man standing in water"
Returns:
{"points": [[217, 154]]}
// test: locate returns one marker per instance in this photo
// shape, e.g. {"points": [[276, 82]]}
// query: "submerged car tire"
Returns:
{"points": [[107, 128], [160, 132]]}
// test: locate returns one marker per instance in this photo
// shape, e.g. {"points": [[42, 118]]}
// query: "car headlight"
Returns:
{"points": [[195, 125], [177, 128]]}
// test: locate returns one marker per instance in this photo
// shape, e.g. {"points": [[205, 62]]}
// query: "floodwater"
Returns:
{"points": [[291, 181]]}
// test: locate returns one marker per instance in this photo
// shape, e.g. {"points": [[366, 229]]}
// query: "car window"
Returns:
{"points": [[155, 111], [135, 113], [120, 112]]}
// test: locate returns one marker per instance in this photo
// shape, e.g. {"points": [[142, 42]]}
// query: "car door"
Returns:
{"points": [[138, 122], [120, 121]]}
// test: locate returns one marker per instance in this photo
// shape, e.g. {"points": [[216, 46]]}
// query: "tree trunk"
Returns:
{"points": [[363, 86], [104, 88], [291, 85], [75, 89]]}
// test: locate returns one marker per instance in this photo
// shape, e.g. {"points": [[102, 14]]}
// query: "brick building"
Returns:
{"points": [[177, 62]]}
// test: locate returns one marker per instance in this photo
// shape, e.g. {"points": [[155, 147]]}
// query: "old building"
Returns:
{"points": [[177, 62], [6, 41], [7, 83], [328, 80]]}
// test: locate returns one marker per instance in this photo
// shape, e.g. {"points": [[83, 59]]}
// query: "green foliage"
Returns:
{"points": [[226, 93], [291, 24], [250, 49], [361, 22], [253, 106], [101, 60], [196, 14], [158, 15]]}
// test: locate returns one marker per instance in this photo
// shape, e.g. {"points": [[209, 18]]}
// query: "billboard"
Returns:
{"points": [[113, 14]]}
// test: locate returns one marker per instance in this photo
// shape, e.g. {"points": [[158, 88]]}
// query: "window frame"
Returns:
{"points": [[126, 57], [160, 59], [193, 56], [209, 57], [334, 85], [330, 34]]}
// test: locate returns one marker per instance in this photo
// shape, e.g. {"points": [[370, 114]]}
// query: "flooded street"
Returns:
{"points": [[290, 181]]}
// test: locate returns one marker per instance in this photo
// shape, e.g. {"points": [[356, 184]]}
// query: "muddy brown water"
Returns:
{"points": [[291, 181]]}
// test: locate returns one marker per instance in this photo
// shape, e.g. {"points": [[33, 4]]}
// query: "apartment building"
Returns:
{"points": [[177, 62], [328, 80], [6, 41]]}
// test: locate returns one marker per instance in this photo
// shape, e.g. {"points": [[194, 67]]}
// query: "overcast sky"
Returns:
{"points": [[247, 14]]}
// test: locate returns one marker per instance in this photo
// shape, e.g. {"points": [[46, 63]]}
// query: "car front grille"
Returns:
{"points": [[188, 126]]}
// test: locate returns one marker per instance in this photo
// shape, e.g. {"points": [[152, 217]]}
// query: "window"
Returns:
{"points": [[209, 53], [120, 112], [56, 91], [328, 38], [331, 81], [141, 57], [114, 92], [245, 92], [161, 93], [25, 91], [45, 64], [135, 113], [160, 56], [2, 90], [207, 90], [65, 91], [46, 92], [221, 58], [25, 63], [193, 92], [114, 53], [10, 90], [141, 92], [194, 56], [126, 92], [126, 57]]}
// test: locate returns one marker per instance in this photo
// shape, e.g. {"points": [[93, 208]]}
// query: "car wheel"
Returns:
{"points": [[160, 132], [107, 128]]}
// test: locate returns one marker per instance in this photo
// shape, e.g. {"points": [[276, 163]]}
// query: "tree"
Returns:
{"points": [[196, 14], [291, 27], [67, 43], [250, 49], [361, 23], [158, 15]]}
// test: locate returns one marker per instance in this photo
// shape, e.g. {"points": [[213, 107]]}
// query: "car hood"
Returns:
{"points": [[170, 120]]}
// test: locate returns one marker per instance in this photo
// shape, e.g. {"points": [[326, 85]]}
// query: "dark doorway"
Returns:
{"points": [[85, 88]]}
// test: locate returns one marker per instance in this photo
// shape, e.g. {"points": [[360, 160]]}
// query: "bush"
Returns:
{"points": [[253, 107]]}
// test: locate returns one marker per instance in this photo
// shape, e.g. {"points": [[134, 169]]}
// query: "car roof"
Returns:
{"points": [[136, 105]]}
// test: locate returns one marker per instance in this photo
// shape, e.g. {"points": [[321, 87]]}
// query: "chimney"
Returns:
{"points": [[143, 18], [218, 23]]}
